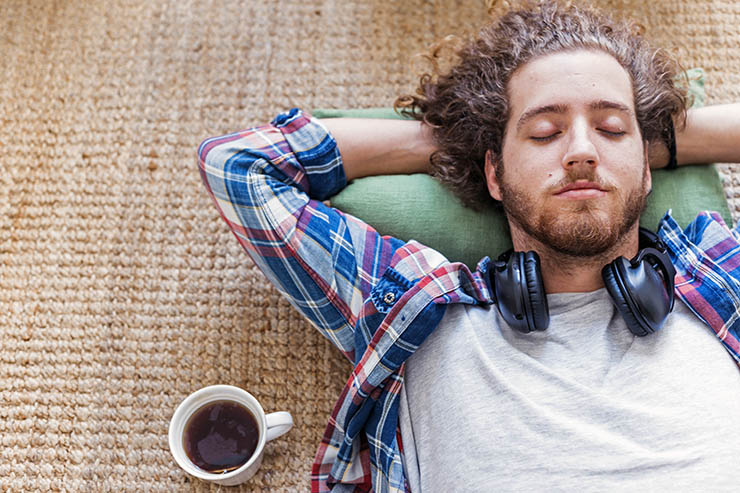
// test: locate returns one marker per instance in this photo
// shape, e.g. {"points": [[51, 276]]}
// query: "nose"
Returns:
{"points": [[581, 150]]}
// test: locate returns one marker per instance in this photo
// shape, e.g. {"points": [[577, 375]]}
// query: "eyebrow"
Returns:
{"points": [[561, 109]]}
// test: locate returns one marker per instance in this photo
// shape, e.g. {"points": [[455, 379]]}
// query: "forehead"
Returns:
{"points": [[572, 79]]}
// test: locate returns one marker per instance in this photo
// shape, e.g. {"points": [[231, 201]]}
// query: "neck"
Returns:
{"points": [[563, 273]]}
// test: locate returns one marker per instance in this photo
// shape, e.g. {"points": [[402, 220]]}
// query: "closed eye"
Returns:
{"points": [[612, 134], [545, 138]]}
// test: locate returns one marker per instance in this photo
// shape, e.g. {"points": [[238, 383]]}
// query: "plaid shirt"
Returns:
{"points": [[377, 298]]}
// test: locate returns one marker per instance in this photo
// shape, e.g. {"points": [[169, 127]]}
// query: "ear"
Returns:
{"points": [[491, 180], [647, 165]]}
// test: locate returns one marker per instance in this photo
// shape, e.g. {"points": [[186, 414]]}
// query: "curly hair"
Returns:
{"points": [[467, 106]]}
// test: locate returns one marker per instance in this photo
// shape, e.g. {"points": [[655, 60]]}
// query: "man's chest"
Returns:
{"points": [[585, 398]]}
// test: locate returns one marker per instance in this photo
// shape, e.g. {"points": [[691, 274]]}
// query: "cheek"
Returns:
{"points": [[527, 162], [633, 165], [631, 181], [625, 162]]}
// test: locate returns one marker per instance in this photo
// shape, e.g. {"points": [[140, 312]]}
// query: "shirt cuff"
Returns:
{"points": [[315, 150]]}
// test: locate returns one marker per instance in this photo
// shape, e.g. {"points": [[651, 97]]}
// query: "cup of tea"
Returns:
{"points": [[218, 434]]}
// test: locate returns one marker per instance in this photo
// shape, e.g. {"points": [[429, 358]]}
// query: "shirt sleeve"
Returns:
{"points": [[268, 184], [706, 255]]}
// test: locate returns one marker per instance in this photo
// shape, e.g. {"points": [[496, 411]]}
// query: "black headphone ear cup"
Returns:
{"points": [[616, 290], [539, 313], [519, 292]]}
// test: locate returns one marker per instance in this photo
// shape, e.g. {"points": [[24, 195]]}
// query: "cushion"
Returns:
{"points": [[419, 207]]}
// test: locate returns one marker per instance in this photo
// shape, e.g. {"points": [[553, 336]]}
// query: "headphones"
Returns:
{"points": [[641, 288]]}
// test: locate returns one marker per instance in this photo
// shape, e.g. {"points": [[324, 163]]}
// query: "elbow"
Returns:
{"points": [[203, 169], [204, 149]]}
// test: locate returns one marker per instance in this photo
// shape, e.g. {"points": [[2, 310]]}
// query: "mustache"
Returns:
{"points": [[589, 175]]}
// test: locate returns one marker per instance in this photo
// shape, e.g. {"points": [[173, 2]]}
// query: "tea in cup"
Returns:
{"points": [[218, 434]]}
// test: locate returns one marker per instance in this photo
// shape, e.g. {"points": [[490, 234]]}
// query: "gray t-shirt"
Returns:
{"points": [[583, 406]]}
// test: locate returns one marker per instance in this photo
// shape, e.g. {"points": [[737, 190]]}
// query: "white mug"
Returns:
{"points": [[270, 427]]}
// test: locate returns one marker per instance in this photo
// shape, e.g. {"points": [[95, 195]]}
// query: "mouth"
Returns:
{"points": [[581, 190]]}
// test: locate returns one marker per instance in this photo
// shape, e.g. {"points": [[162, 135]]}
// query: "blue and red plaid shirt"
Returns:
{"points": [[377, 298]]}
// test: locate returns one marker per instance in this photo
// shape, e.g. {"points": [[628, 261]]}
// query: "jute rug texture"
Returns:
{"points": [[121, 289]]}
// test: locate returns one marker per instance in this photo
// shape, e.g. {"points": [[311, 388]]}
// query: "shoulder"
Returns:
{"points": [[707, 235]]}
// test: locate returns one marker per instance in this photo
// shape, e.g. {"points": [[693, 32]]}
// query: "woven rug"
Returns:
{"points": [[121, 290]]}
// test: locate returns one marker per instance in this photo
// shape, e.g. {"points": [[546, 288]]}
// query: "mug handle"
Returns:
{"points": [[278, 424]]}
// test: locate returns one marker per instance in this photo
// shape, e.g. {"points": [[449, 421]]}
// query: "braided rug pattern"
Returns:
{"points": [[121, 290]]}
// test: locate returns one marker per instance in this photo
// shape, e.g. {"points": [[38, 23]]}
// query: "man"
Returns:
{"points": [[552, 112]]}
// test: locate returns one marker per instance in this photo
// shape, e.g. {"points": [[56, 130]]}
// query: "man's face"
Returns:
{"points": [[575, 174]]}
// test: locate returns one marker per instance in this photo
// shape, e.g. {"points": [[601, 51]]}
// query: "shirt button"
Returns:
{"points": [[389, 297]]}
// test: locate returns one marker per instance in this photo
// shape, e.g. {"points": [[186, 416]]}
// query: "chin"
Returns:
{"points": [[584, 228], [584, 234]]}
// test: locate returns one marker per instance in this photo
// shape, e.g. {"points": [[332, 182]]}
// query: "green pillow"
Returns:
{"points": [[419, 207]]}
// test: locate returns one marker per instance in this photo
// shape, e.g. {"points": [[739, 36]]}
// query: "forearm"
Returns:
{"points": [[711, 135], [262, 181], [381, 146]]}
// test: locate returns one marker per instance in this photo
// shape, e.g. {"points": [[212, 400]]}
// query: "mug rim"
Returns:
{"points": [[194, 402]]}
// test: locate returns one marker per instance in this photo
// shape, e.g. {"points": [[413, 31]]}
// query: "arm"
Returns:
{"points": [[381, 146], [268, 183], [711, 135]]}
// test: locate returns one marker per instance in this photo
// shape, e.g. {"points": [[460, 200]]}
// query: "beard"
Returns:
{"points": [[581, 229]]}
